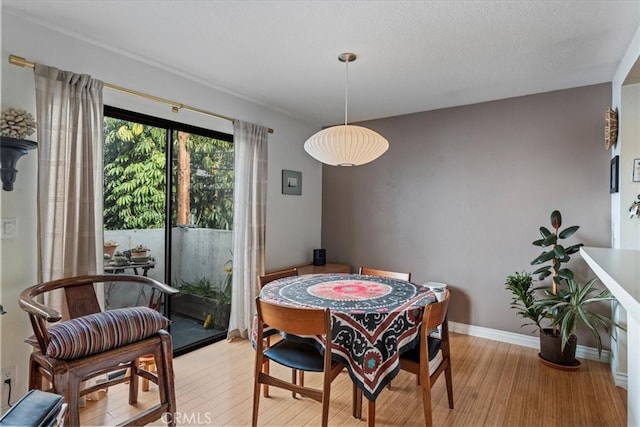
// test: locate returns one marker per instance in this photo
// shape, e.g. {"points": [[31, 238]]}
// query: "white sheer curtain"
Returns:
{"points": [[69, 112], [249, 223]]}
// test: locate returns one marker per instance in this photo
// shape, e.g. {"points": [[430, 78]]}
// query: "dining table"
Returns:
{"points": [[373, 320]]}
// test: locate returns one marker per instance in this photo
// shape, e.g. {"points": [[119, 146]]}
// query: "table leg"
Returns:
{"points": [[357, 402]]}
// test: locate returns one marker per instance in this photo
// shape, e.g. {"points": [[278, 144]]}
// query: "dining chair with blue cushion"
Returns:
{"points": [[262, 281], [295, 354], [432, 356]]}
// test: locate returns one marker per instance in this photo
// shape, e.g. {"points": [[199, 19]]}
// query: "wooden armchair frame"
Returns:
{"points": [[66, 376]]}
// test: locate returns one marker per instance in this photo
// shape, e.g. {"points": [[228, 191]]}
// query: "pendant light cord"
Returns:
{"points": [[346, 91]]}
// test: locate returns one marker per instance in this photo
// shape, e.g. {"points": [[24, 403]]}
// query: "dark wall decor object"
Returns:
{"points": [[11, 149], [614, 174], [610, 128], [291, 182]]}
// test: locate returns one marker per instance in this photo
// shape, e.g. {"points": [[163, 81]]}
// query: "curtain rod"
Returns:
{"points": [[175, 106]]}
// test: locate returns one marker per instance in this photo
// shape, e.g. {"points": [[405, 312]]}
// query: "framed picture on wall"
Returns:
{"points": [[291, 182], [636, 170], [613, 175]]}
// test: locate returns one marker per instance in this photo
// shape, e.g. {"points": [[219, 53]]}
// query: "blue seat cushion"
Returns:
{"points": [[414, 353], [296, 355]]}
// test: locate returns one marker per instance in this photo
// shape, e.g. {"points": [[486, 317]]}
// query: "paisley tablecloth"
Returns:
{"points": [[374, 319]]}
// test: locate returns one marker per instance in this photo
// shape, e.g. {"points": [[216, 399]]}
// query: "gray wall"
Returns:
{"points": [[461, 193]]}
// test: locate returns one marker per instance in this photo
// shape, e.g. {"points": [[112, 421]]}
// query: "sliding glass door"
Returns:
{"points": [[201, 236], [182, 215]]}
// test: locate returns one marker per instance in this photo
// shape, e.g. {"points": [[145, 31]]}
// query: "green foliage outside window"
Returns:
{"points": [[211, 182], [135, 178]]}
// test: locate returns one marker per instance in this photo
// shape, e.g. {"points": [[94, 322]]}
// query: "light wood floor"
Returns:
{"points": [[494, 384]]}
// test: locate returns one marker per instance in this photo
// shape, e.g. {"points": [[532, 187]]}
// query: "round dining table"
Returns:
{"points": [[373, 320]]}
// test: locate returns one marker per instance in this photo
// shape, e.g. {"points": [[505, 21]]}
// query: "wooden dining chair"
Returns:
{"points": [[384, 273], [93, 343], [295, 354], [432, 356], [263, 280], [427, 360], [270, 277]]}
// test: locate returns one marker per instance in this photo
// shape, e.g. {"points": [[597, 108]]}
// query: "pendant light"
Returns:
{"points": [[346, 145]]}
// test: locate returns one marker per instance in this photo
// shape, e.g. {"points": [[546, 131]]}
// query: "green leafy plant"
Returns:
{"points": [[521, 285], [200, 287], [204, 287], [566, 304], [571, 308], [557, 253]]}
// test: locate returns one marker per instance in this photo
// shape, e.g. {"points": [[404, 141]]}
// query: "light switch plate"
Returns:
{"points": [[8, 228]]}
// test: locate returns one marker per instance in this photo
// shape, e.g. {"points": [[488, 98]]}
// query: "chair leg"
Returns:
{"points": [[265, 369], [256, 400], [75, 383], [61, 384], [35, 380], [294, 380], [165, 375], [371, 415], [447, 376], [133, 383], [425, 387], [147, 363], [326, 398], [357, 402]]}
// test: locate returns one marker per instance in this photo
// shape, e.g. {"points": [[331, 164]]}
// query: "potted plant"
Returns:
{"points": [[565, 305], [139, 251], [119, 259], [205, 301], [110, 247]]}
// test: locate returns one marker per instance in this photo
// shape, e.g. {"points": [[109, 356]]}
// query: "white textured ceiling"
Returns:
{"points": [[412, 56]]}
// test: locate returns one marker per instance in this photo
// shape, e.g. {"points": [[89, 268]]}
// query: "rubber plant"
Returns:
{"points": [[556, 254], [566, 304]]}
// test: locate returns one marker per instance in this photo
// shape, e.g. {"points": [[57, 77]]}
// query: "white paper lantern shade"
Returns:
{"points": [[346, 145]]}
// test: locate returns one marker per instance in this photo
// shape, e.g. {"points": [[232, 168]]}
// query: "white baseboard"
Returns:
{"points": [[532, 341], [621, 380]]}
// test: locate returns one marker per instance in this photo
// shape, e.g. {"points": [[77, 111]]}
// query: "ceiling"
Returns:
{"points": [[412, 55]]}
